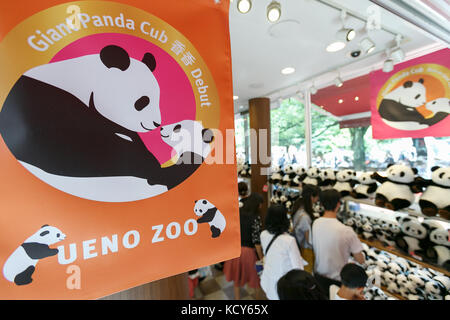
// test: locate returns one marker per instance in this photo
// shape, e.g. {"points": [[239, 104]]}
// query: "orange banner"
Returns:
{"points": [[114, 119]]}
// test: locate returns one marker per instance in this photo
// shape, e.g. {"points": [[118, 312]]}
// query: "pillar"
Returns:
{"points": [[260, 145]]}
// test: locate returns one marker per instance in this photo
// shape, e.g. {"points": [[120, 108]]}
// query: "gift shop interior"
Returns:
{"points": [[345, 95]]}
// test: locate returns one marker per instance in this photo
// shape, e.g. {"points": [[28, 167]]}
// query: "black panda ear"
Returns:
{"points": [[195, 201], [207, 135], [421, 81], [150, 61], [389, 165], [415, 170], [115, 57], [398, 218], [408, 84], [45, 225], [435, 168]]}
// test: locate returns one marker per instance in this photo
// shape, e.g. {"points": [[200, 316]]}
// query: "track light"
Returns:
{"points": [[244, 6], [338, 82], [274, 11], [313, 89], [388, 65], [346, 34], [367, 45], [398, 55]]}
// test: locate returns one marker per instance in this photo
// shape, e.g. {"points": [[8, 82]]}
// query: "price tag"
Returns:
{"points": [[265, 188]]}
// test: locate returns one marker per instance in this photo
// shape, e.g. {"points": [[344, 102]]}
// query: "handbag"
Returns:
{"points": [[259, 265]]}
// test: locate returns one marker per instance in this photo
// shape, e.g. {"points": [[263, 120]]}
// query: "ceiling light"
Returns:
{"points": [[313, 90], [288, 70], [398, 55], [367, 45], [338, 82], [340, 101], [335, 46], [346, 34], [274, 11], [388, 65], [356, 98], [244, 6], [235, 97]]}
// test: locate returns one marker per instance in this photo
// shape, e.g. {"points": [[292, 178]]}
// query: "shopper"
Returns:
{"points": [[302, 220], [354, 280], [333, 242], [299, 285], [280, 249], [242, 270]]}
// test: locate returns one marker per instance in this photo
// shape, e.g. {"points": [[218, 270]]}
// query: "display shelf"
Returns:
{"points": [[395, 295], [377, 244]]}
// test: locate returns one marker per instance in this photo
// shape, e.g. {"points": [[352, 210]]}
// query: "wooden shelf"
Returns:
{"points": [[395, 295], [377, 244]]}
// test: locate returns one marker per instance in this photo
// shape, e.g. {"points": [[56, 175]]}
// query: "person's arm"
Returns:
{"points": [[356, 248], [259, 252], [359, 257], [294, 255], [256, 236]]}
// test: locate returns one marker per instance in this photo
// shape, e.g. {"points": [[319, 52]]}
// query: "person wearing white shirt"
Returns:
{"points": [[333, 242], [283, 254]]}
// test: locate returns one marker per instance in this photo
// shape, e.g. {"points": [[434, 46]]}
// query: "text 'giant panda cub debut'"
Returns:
{"points": [[210, 214], [21, 264], [79, 118]]}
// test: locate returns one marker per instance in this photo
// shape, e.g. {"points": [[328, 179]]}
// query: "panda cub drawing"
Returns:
{"points": [[398, 108], [210, 214], [21, 264]]}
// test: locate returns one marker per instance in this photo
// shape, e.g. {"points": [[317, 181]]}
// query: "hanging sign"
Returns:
{"points": [[413, 100], [112, 113]]}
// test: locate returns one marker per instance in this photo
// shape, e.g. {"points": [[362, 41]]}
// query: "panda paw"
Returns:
{"points": [[215, 232]]}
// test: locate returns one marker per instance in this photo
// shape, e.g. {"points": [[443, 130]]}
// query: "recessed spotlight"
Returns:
{"points": [[235, 97], [356, 98], [274, 11], [367, 45], [335, 46], [340, 100], [288, 70], [355, 53], [338, 82], [244, 6]]}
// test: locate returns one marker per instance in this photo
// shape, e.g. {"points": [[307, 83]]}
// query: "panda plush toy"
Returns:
{"points": [[313, 176], [438, 251], [288, 176], [276, 175], [397, 188], [21, 264], [366, 187], [210, 214], [328, 177], [300, 174], [413, 236], [436, 198], [345, 182]]}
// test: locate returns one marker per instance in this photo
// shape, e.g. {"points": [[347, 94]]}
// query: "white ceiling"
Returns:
{"points": [[261, 49]]}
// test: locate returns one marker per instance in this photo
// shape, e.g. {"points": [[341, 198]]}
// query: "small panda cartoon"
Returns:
{"points": [[366, 187], [313, 176], [345, 182], [436, 198], [397, 188], [210, 214], [21, 264], [191, 143], [328, 177], [83, 129], [440, 107]]}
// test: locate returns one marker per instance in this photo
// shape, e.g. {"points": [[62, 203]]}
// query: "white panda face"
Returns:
{"points": [[201, 206], [300, 170], [401, 173], [47, 235], [439, 105], [328, 174], [411, 94], [313, 172], [288, 169], [440, 236], [413, 228], [345, 175], [127, 92], [365, 178], [188, 135], [441, 176]]}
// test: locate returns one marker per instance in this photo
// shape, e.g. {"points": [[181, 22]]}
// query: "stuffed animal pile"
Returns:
{"points": [[403, 277], [284, 196]]}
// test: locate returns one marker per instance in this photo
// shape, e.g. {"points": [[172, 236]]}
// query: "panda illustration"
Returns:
{"points": [[440, 107], [328, 177], [79, 118], [398, 108], [191, 143], [366, 187], [209, 213], [413, 236], [397, 188], [345, 182], [21, 264], [313, 176], [436, 197]]}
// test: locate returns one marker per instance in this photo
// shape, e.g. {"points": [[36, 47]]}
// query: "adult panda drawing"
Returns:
{"points": [[74, 124], [398, 108]]}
